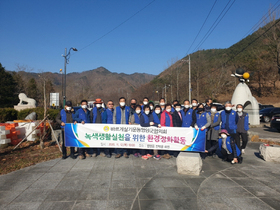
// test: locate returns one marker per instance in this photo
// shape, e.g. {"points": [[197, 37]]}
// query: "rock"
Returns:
{"points": [[189, 163], [270, 152]]}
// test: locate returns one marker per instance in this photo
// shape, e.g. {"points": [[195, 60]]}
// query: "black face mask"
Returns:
{"points": [[133, 104], [200, 109]]}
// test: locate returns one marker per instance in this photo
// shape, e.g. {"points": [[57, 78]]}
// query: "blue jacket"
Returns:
{"points": [[119, 114], [109, 116], [103, 114], [63, 117], [156, 118], [80, 116], [186, 118], [231, 125], [231, 146], [136, 118], [146, 119], [246, 122], [201, 119]]}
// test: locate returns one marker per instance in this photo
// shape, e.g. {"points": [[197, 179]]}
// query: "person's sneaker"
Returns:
{"points": [[108, 156], [136, 155], [125, 155], [166, 156], [73, 156], [145, 157], [88, 155], [94, 155], [118, 155], [243, 151], [149, 156], [81, 157], [102, 154], [157, 157], [63, 157]]}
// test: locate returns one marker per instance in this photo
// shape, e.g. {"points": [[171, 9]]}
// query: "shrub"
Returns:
{"points": [[40, 113], [8, 114]]}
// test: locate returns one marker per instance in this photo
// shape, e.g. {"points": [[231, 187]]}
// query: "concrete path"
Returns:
{"points": [[265, 132], [103, 183]]}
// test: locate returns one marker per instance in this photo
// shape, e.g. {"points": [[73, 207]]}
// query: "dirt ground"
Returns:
{"points": [[27, 154]]}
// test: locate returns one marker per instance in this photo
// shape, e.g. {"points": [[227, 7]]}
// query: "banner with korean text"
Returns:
{"points": [[134, 137]]}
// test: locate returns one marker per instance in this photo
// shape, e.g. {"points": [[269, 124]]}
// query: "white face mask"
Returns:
{"points": [[151, 107], [103, 106], [138, 111], [194, 104], [168, 110], [187, 106], [147, 112], [157, 111], [122, 103], [162, 104], [228, 108], [178, 109], [239, 109], [213, 110], [145, 102], [68, 108], [223, 136], [98, 105], [84, 106]]}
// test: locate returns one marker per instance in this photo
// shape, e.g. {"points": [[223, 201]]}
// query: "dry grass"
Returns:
{"points": [[27, 154]]}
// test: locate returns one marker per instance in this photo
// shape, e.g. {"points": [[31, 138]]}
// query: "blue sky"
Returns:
{"points": [[34, 33]]}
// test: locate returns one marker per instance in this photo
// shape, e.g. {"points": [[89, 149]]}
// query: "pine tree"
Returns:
{"points": [[8, 97]]}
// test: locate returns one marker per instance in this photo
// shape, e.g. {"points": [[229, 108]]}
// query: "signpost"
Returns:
{"points": [[54, 100]]}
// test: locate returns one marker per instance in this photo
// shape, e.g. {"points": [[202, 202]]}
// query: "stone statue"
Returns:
{"points": [[31, 103], [242, 95]]}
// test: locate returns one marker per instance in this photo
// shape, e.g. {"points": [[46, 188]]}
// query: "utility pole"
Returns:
{"points": [[190, 94], [165, 93]]}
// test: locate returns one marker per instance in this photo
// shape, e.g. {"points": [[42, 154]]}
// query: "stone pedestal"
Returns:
{"points": [[270, 153], [21, 107], [189, 163]]}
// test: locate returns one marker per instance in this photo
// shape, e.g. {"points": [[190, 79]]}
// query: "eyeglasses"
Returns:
{"points": [[110, 104]]}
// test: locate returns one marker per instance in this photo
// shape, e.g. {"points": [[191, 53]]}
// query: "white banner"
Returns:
{"points": [[134, 136]]}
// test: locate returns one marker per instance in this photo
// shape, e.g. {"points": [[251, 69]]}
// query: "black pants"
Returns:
{"points": [[244, 137], [64, 152], [211, 143], [226, 156]]}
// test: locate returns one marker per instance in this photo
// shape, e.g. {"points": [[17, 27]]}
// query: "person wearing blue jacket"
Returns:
{"points": [[110, 111], [121, 116], [99, 115], [242, 127], [229, 120], [188, 119], [66, 115], [147, 120], [83, 116], [228, 148]]}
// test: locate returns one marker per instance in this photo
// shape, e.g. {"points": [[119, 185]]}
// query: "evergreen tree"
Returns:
{"points": [[8, 98]]}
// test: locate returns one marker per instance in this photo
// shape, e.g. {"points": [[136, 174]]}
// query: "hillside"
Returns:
{"points": [[92, 84], [258, 53]]}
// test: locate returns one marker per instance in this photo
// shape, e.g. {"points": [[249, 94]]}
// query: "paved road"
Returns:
{"points": [[265, 132], [102, 183]]}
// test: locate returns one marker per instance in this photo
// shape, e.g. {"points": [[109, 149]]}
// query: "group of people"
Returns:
{"points": [[223, 128]]}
